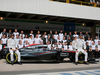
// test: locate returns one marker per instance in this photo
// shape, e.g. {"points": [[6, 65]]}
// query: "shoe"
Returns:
{"points": [[19, 63], [86, 63], [76, 63], [12, 63]]}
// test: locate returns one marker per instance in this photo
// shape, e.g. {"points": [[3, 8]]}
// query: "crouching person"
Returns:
{"points": [[13, 48]]}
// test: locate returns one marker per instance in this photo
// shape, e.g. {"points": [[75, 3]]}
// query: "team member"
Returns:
{"points": [[61, 35], [31, 33], [20, 45], [89, 41], [94, 50], [96, 40], [70, 47], [22, 34], [0, 49], [17, 39], [4, 40], [15, 33], [75, 34], [59, 46], [56, 35], [54, 46], [13, 47], [49, 45], [37, 40], [80, 47], [26, 43], [31, 40], [38, 32], [74, 42], [65, 47]]}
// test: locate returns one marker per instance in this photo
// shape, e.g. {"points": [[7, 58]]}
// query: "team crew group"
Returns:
{"points": [[62, 41]]}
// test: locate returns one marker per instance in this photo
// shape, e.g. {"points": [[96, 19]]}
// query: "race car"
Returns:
{"points": [[37, 52]]}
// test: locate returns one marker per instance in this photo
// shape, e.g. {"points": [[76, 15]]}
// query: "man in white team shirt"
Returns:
{"points": [[17, 39], [56, 35], [75, 34], [49, 45], [96, 40], [15, 33], [37, 40], [65, 47], [61, 35], [31, 33], [80, 47], [20, 45], [89, 41], [4, 40], [30, 40], [22, 34]]}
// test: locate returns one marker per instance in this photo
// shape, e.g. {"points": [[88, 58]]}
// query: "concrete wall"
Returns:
{"points": [[47, 7]]}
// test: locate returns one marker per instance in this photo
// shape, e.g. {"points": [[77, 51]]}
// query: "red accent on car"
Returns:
{"points": [[70, 51]]}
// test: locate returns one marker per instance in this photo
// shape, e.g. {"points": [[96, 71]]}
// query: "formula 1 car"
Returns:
{"points": [[37, 52]]}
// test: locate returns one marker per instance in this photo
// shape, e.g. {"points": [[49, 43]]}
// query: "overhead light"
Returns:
{"points": [[1, 18], [83, 24], [46, 21]]}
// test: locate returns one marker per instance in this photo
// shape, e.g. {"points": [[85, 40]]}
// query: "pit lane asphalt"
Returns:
{"points": [[43, 67]]}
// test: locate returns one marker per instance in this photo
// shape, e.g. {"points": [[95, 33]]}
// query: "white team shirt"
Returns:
{"points": [[93, 47], [56, 36], [4, 40], [32, 35], [0, 47], [49, 46], [61, 36], [37, 40], [96, 41], [31, 41], [15, 33], [89, 42], [22, 35], [20, 46], [65, 47], [60, 46], [75, 35], [17, 41], [70, 48], [98, 47]]}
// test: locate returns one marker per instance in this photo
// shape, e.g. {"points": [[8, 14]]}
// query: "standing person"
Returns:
{"points": [[4, 40], [89, 41], [26, 43], [15, 33], [9, 34], [96, 40], [20, 45], [48, 39], [86, 36], [4, 32], [71, 36], [17, 39], [54, 46], [22, 34], [49, 45], [61, 35], [45, 33], [75, 34], [81, 34], [56, 35], [39, 35], [69, 40], [37, 40], [66, 36], [31, 40], [65, 47], [13, 48], [70, 47], [31, 33], [53, 40], [22, 39], [80, 47], [44, 39], [64, 39], [0, 49], [58, 39], [50, 34], [26, 37], [74, 43]]}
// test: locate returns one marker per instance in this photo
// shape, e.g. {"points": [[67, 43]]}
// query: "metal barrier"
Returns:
{"points": [[80, 2]]}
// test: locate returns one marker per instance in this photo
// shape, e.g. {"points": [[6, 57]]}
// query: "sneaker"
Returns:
{"points": [[76, 63], [86, 63], [12, 63], [19, 63]]}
